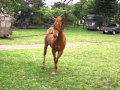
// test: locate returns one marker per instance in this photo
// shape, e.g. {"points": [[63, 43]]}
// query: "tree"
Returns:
{"points": [[11, 5], [58, 5], [117, 15], [80, 10], [107, 8], [45, 13], [23, 9]]}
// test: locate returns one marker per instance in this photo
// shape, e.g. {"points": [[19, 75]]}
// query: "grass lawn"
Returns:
{"points": [[84, 67], [27, 36], [93, 67]]}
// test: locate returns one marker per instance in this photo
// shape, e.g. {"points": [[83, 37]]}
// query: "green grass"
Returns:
{"points": [[85, 67], [93, 67], [72, 34], [25, 36]]}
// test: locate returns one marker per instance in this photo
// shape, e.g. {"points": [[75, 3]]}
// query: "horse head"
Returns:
{"points": [[58, 23]]}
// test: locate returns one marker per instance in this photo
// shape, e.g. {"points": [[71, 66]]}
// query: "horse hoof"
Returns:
{"points": [[53, 73], [42, 66]]}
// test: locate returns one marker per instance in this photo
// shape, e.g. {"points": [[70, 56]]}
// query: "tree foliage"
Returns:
{"points": [[58, 5], [12, 5], [35, 11], [45, 13], [107, 8], [80, 10], [117, 15]]}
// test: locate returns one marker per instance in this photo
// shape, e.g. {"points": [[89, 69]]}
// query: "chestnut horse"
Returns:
{"points": [[55, 37]]}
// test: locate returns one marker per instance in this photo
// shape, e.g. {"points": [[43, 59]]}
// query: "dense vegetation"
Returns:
{"points": [[28, 12]]}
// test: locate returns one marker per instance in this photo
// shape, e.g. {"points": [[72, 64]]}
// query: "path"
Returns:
{"points": [[69, 44]]}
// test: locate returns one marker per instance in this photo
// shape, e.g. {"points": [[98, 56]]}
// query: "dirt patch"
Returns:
{"points": [[69, 44], [107, 83]]}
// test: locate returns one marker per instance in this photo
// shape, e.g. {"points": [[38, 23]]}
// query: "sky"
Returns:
{"points": [[51, 2]]}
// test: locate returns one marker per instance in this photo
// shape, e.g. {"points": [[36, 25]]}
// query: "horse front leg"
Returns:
{"points": [[56, 62], [44, 55], [54, 57], [54, 54]]}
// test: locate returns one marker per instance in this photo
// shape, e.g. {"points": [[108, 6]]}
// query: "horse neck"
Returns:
{"points": [[60, 35]]}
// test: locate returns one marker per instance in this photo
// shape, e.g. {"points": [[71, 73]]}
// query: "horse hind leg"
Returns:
{"points": [[44, 55], [54, 71]]}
